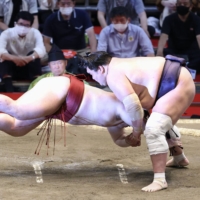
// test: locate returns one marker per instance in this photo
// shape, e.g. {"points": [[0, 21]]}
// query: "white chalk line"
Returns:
{"points": [[122, 173], [192, 132], [189, 121], [37, 166]]}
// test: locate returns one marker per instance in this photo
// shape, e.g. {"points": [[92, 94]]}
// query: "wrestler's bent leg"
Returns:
{"points": [[179, 159], [16, 128], [172, 104], [157, 126]]}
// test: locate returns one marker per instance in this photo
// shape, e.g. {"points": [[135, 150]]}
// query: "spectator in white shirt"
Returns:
{"points": [[21, 48]]}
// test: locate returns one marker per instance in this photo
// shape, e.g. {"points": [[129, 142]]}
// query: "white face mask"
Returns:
{"points": [[22, 30], [120, 27], [66, 10]]}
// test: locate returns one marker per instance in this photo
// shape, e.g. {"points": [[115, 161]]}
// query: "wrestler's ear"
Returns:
{"points": [[101, 69]]}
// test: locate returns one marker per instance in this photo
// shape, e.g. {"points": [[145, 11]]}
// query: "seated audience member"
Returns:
{"points": [[45, 8], [182, 31], [10, 8], [67, 28], [135, 8], [122, 39], [21, 48], [166, 7], [56, 62]]}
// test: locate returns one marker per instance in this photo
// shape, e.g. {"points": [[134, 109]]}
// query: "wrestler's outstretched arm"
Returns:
{"points": [[42, 100], [15, 127], [127, 95]]}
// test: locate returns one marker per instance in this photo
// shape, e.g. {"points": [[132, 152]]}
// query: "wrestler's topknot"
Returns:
{"points": [[94, 60]]}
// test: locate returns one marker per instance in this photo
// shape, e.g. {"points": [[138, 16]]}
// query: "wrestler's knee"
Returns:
{"points": [[157, 126]]}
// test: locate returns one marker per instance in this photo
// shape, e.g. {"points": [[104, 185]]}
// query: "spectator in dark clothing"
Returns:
{"points": [[45, 8], [67, 28], [182, 31]]}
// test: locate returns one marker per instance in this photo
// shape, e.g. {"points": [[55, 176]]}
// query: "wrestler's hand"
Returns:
{"points": [[133, 140], [137, 135]]}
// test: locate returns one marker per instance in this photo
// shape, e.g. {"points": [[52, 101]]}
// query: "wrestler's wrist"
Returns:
{"points": [[137, 125], [138, 130]]}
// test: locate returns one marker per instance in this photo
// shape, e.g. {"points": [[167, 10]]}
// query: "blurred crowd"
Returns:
{"points": [[32, 29]]}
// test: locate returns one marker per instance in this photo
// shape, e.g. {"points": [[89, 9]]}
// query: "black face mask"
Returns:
{"points": [[182, 10]]}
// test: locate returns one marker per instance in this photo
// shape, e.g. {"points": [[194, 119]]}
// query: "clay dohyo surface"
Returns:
{"points": [[90, 167]]}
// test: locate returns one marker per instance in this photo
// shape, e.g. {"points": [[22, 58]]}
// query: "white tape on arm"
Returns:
{"points": [[133, 107]]}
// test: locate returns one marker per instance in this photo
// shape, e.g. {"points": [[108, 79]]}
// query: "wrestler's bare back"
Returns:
{"points": [[100, 107], [144, 74]]}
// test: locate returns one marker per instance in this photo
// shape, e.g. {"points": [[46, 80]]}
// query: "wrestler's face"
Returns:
{"points": [[99, 75], [58, 67]]}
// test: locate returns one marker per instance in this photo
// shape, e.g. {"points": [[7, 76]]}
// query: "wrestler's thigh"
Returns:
{"points": [[45, 98], [175, 102], [15, 127]]}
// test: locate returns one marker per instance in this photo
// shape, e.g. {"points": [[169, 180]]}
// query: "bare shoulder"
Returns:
{"points": [[117, 64], [117, 67]]}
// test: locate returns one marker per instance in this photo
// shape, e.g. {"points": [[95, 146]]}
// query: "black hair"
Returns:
{"points": [[94, 60], [119, 11], [25, 15]]}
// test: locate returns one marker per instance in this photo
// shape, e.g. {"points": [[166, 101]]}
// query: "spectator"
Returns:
{"points": [[57, 63], [122, 39], [45, 8], [21, 48], [67, 28], [166, 7], [182, 31], [10, 8], [135, 8]]}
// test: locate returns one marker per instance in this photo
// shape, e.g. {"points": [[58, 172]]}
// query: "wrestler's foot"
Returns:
{"points": [[156, 185], [173, 163]]}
